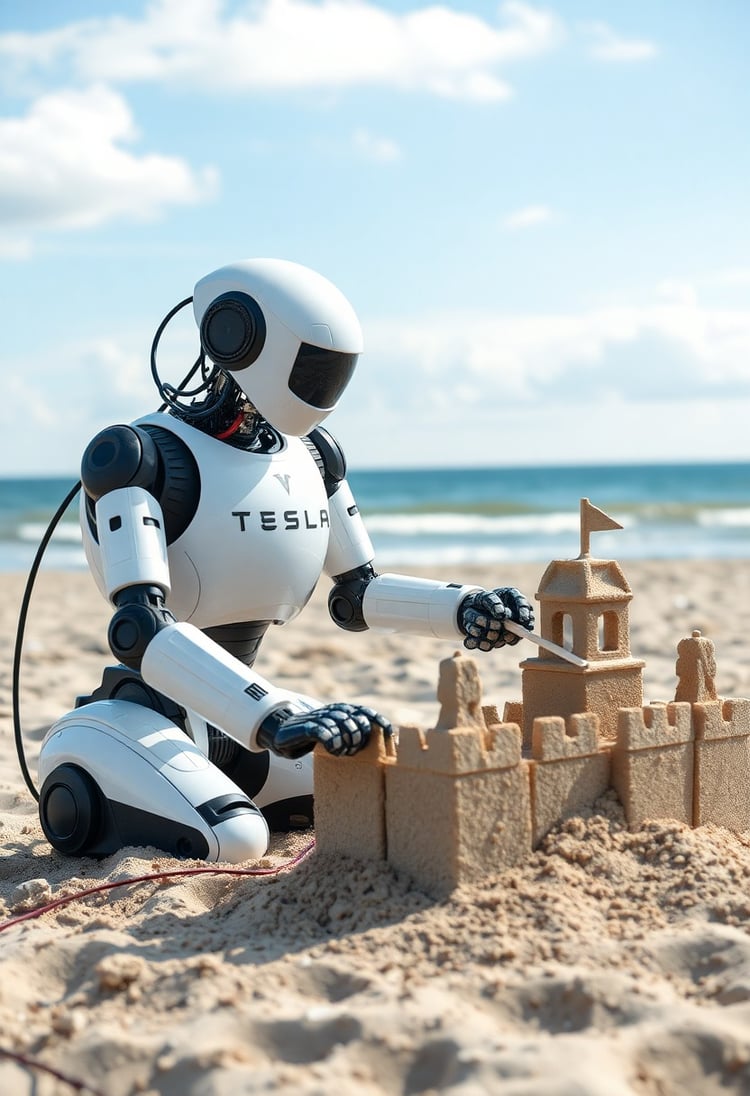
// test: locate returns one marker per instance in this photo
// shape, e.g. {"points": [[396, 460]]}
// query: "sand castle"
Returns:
{"points": [[479, 791]]}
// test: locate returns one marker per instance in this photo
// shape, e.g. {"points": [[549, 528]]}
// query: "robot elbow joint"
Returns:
{"points": [[135, 624], [346, 599]]}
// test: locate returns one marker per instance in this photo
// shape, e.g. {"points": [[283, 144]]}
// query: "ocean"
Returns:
{"points": [[436, 517]]}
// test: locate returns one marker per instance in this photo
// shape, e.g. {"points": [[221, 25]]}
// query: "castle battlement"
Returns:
{"points": [[654, 726], [459, 751], [554, 738], [722, 764], [717, 719]]}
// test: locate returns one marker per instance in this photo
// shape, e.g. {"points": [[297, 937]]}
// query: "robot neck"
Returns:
{"points": [[228, 415], [240, 422], [249, 430]]}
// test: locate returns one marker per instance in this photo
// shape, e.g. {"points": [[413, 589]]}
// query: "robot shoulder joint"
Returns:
{"points": [[328, 456], [119, 456]]}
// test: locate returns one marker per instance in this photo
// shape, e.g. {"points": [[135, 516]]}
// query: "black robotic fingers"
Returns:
{"points": [[340, 728], [482, 614]]}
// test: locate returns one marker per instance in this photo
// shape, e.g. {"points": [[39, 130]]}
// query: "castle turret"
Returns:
{"points": [[585, 607]]}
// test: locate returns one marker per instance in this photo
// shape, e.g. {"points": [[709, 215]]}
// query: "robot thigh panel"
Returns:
{"points": [[114, 774], [280, 786]]}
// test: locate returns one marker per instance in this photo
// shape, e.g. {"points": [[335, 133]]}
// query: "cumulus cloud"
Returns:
{"points": [[381, 150], [605, 44], [293, 44], [527, 217], [98, 381], [66, 164], [734, 275], [15, 247], [656, 351]]}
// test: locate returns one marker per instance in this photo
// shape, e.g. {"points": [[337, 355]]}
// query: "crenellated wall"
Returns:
{"points": [[464, 800]]}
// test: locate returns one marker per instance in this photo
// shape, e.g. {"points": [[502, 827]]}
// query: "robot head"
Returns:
{"points": [[285, 334]]}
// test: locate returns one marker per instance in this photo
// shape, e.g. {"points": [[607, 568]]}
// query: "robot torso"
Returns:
{"points": [[257, 541]]}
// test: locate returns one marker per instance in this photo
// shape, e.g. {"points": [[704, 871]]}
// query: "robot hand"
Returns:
{"points": [[341, 728], [481, 617]]}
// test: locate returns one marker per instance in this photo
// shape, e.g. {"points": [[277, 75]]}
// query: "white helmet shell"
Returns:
{"points": [[287, 336]]}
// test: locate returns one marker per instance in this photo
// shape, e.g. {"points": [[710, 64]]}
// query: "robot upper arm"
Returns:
{"points": [[119, 472], [329, 457], [349, 546], [350, 551]]}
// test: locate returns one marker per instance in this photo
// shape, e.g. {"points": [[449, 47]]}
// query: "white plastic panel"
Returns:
{"points": [[401, 603], [130, 527]]}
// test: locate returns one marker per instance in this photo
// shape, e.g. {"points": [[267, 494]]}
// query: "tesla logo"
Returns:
{"points": [[269, 520], [283, 478]]}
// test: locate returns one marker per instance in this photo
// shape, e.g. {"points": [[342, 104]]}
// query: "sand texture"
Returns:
{"points": [[610, 962]]}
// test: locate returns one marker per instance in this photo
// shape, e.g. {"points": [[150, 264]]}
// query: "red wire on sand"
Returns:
{"points": [[30, 915], [32, 1063]]}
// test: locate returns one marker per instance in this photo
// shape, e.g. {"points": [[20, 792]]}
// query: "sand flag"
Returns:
{"points": [[593, 520]]}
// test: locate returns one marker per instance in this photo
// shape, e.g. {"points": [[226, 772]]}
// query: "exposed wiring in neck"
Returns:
{"points": [[233, 428]]}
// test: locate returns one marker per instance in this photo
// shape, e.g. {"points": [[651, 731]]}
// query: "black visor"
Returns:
{"points": [[319, 376]]}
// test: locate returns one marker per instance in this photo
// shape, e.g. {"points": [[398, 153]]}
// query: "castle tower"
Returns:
{"points": [[584, 606]]}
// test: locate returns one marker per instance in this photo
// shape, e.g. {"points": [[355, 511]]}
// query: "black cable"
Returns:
{"points": [[170, 394], [20, 630]]}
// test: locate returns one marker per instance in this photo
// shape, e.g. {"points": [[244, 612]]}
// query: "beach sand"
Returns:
{"points": [[611, 962]]}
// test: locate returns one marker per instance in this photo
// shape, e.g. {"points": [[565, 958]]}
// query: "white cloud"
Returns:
{"points": [[65, 165], [293, 44], [527, 217], [666, 380], [30, 410], [668, 348], [581, 432], [733, 276], [15, 248], [606, 44], [677, 291], [381, 150], [97, 380]]}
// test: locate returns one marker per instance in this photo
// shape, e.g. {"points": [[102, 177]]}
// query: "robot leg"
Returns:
{"points": [[114, 773], [283, 789]]}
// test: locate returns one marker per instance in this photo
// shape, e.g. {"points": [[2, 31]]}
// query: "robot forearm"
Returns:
{"points": [[399, 603], [189, 668], [349, 543], [415, 605], [362, 599]]}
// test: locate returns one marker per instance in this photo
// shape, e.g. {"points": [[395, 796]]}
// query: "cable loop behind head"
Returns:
{"points": [[216, 394]]}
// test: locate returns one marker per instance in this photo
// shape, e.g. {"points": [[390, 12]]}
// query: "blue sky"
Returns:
{"points": [[539, 211]]}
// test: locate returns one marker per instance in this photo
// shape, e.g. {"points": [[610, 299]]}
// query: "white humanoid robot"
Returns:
{"points": [[202, 527]]}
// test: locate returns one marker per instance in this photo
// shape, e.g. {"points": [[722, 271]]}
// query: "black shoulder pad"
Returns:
{"points": [[120, 456], [328, 456]]}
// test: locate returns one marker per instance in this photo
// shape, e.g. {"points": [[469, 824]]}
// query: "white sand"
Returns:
{"points": [[610, 963]]}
